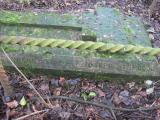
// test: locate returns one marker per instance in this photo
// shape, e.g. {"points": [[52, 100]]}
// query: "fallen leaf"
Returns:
{"points": [[23, 101], [101, 93], [89, 110], [158, 110], [131, 84], [142, 93], [105, 114], [124, 93], [89, 86], [92, 94], [78, 114], [44, 87], [124, 97], [12, 104], [61, 81], [57, 91], [30, 94], [116, 99], [126, 100], [64, 115], [12, 113], [84, 96]]}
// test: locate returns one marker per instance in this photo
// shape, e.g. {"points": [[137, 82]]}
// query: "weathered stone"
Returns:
{"points": [[107, 25]]}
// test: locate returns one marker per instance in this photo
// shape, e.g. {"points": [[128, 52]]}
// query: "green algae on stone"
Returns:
{"points": [[107, 25], [9, 17]]}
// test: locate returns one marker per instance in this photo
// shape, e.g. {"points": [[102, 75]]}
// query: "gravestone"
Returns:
{"points": [[103, 25]]}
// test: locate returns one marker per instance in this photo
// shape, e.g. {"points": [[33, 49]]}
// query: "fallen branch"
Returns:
{"points": [[34, 113], [14, 65], [103, 105]]}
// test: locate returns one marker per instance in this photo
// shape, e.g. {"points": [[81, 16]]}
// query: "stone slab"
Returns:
{"points": [[106, 25]]}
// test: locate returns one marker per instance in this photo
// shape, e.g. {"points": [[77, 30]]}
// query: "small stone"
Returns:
{"points": [[148, 82], [7, 98], [150, 90]]}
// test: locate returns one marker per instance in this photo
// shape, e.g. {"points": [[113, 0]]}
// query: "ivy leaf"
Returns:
{"points": [[92, 94], [23, 101], [84, 96]]}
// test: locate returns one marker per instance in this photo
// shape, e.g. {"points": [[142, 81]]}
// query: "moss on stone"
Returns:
{"points": [[9, 17]]}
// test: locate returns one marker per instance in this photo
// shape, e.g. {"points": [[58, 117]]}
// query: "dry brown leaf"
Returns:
{"points": [[65, 115], [44, 87], [91, 86], [142, 93], [89, 110], [57, 91], [61, 81], [131, 84], [30, 94], [12, 113], [116, 99], [101, 93], [158, 110], [12, 104], [88, 86]]}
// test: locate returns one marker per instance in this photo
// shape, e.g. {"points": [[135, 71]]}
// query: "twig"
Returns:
{"points": [[49, 102], [102, 105], [113, 114], [32, 80], [34, 113], [14, 65]]}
